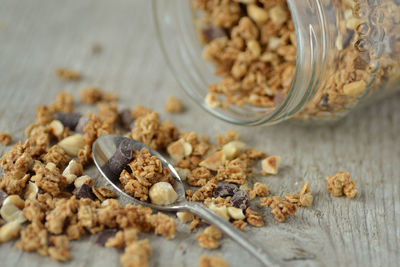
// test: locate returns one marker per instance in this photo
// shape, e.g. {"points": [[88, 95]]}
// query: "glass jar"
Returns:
{"points": [[348, 53]]}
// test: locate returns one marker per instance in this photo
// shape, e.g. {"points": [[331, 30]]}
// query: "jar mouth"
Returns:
{"points": [[183, 53]]}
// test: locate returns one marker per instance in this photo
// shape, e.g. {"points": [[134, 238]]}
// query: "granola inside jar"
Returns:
{"points": [[255, 62]]}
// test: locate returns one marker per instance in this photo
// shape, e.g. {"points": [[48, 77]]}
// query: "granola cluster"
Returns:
{"points": [[340, 184], [5, 138], [173, 105], [280, 207], [303, 199], [209, 238]]}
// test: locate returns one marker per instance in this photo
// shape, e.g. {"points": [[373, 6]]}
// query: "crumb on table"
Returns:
{"points": [[68, 74], [5, 138], [173, 105]]}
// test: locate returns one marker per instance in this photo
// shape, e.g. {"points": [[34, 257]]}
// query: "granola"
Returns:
{"points": [[68, 74], [173, 105], [341, 184], [212, 262], [5, 138], [254, 218], [56, 155], [64, 103], [92, 95], [280, 207], [137, 254], [149, 130], [304, 198], [209, 238]]}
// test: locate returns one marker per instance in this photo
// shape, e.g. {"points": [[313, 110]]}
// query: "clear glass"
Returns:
{"points": [[348, 52]]}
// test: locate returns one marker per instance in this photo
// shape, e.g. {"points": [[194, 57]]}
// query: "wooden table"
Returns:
{"points": [[38, 36]]}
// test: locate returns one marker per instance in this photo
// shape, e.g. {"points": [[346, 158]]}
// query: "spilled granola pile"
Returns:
{"points": [[47, 199]]}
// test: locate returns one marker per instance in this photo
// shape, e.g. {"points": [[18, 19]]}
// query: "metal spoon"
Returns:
{"points": [[105, 146]]}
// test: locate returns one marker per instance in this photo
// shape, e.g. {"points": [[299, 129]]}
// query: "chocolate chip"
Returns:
{"points": [[211, 32], [85, 191], [224, 189], [347, 38], [241, 199], [81, 124], [69, 120], [103, 236], [126, 119], [3, 196], [117, 163], [324, 101]]}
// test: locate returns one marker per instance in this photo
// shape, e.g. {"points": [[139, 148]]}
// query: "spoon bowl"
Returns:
{"points": [[106, 146]]}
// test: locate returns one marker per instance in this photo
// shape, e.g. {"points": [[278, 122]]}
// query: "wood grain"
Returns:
{"points": [[37, 36]]}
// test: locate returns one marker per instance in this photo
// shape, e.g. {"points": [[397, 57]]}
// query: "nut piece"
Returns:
{"points": [[162, 193], [9, 231], [214, 161], [256, 13], [306, 198], [278, 15], [233, 149], [72, 144], [183, 173], [221, 211], [72, 171], [12, 209], [354, 88], [83, 180], [235, 213], [56, 128], [273, 43], [254, 47], [270, 165], [31, 191], [212, 101], [185, 216], [179, 149]]}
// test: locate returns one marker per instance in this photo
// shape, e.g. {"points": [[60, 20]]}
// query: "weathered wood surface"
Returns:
{"points": [[37, 36]]}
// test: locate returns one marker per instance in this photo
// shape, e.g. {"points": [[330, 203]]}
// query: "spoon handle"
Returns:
{"points": [[226, 227]]}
